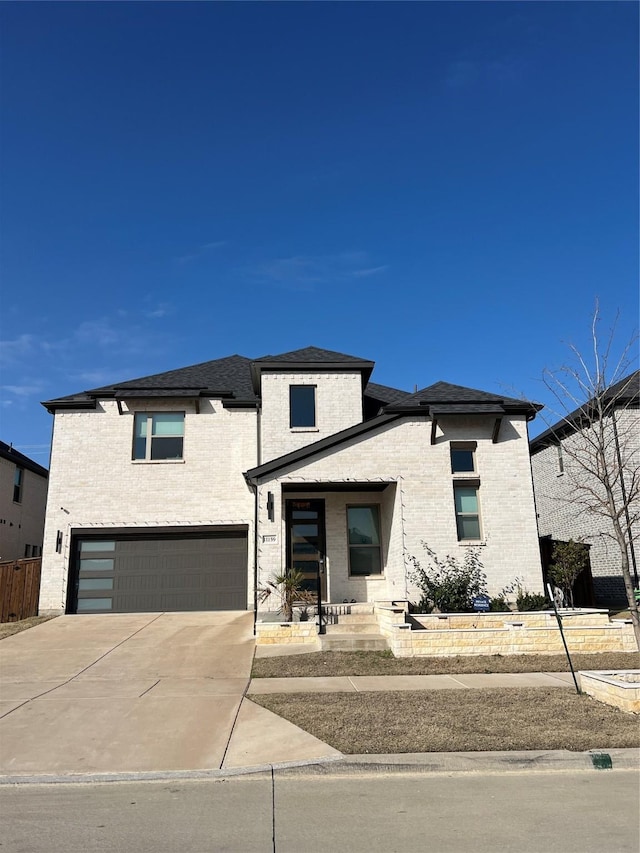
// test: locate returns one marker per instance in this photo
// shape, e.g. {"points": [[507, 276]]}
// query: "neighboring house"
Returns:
{"points": [[23, 498], [189, 490], [562, 517]]}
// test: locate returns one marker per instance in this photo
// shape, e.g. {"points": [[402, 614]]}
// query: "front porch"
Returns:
{"points": [[345, 538]]}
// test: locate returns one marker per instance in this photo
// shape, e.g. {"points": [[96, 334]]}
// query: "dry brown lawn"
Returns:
{"points": [[7, 629], [383, 663], [457, 720]]}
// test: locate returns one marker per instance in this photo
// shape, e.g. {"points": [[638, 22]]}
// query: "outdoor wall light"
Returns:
{"points": [[59, 542], [270, 506]]}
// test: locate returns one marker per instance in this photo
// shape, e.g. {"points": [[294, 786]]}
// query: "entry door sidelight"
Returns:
{"points": [[306, 542]]}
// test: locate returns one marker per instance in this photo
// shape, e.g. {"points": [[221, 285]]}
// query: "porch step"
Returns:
{"points": [[353, 643]]}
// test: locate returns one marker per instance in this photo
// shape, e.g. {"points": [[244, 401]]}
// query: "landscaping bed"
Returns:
{"points": [[316, 664], [456, 721]]}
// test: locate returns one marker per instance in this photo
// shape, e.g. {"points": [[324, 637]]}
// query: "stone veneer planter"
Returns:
{"points": [[272, 633], [620, 689], [536, 632]]}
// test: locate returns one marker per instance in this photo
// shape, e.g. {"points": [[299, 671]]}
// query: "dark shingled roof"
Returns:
{"points": [[233, 378], [622, 394], [229, 376], [222, 374], [236, 379], [376, 397], [385, 394], [313, 354], [445, 398], [22, 461]]}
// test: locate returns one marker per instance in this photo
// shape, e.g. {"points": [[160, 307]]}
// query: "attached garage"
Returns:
{"points": [[173, 569]]}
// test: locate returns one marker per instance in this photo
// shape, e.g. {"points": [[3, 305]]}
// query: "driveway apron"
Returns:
{"points": [[123, 692]]}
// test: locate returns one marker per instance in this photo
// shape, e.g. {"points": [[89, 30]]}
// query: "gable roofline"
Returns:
{"points": [[254, 474], [309, 360], [12, 455], [622, 394]]}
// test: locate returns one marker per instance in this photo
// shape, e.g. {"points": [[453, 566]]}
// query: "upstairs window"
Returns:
{"points": [[302, 406], [18, 480], [158, 436], [467, 511], [463, 458]]}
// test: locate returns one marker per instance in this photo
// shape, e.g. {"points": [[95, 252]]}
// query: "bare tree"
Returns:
{"points": [[600, 443]]}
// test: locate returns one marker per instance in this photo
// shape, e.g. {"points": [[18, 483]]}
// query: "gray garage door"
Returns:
{"points": [[139, 574]]}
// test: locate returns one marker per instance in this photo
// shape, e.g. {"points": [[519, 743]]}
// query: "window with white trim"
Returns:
{"points": [[158, 435]]}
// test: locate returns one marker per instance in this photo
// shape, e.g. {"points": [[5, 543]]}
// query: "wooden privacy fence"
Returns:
{"points": [[19, 589]]}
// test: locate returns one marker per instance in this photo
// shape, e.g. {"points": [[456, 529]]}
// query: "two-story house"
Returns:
{"points": [[23, 498], [189, 490], [561, 510]]}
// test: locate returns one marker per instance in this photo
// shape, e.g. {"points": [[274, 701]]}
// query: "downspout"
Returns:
{"points": [[624, 499]]}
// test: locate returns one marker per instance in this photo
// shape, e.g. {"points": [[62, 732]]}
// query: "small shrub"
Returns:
{"points": [[499, 604], [531, 601], [448, 585], [289, 587]]}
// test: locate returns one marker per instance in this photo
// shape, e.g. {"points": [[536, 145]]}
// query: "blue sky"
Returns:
{"points": [[444, 188]]}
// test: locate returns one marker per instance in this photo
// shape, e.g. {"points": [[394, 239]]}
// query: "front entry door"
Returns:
{"points": [[306, 542]]}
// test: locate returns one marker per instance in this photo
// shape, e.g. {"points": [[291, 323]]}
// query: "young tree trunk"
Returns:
{"points": [[628, 584]]}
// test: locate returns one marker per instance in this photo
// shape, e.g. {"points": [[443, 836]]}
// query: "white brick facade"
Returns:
{"points": [[338, 406], [399, 463], [416, 506], [95, 483], [560, 518]]}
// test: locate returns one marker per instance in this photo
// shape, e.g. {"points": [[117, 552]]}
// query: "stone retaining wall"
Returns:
{"points": [[530, 619], [286, 633], [620, 689], [502, 634]]}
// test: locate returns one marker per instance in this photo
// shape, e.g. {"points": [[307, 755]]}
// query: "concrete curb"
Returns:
{"points": [[478, 762], [358, 765]]}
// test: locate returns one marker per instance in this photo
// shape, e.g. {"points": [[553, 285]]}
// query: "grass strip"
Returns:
{"points": [[316, 664], [8, 629], [456, 720]]}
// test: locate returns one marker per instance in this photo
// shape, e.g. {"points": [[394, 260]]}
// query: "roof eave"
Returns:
{"points": [[254, 474], [259, 367], [529, 409], [52, 406]]}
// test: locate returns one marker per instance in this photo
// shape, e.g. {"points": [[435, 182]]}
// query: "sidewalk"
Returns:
{"points": [[368, 683], [262, 738]]}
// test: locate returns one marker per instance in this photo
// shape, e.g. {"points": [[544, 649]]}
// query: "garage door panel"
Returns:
{"points": [[167, 574]]}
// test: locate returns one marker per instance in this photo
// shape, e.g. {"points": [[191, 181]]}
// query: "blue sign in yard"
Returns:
{"points": [[481, 603]]}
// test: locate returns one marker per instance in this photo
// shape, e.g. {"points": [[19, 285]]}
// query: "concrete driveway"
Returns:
{"points": [[137, 692]]}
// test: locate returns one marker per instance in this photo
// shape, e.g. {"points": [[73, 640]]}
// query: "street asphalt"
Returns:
{"points": [[294, 812]]}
